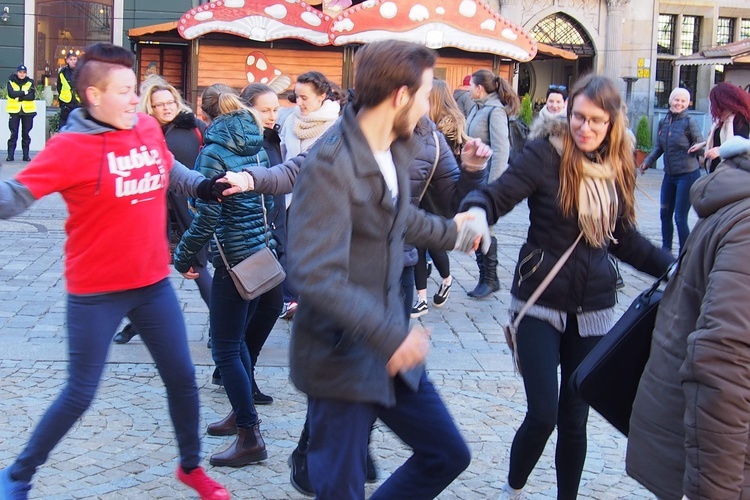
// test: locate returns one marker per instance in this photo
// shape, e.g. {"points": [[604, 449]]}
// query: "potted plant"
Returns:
{"points": [[527, 110], [643, 144]]}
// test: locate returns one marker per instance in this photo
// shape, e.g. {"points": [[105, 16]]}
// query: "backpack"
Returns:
{"points": [[518, 131]]}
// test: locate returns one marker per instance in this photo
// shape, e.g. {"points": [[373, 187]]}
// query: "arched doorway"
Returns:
{"points": [[562, 31]]}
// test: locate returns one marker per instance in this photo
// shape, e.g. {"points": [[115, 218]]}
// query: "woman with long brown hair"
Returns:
{"points": [[579, 180]]}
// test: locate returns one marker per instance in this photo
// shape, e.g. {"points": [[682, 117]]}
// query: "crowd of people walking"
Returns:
{"points": [[359, 194]]}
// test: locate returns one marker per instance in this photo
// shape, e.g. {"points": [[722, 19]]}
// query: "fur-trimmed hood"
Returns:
{"points": [[552, 128]]}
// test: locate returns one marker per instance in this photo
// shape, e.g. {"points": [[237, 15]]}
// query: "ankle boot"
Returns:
{"points": [[224, 427], [258, 397], [489, 282], [248, 448], [480, 265]]}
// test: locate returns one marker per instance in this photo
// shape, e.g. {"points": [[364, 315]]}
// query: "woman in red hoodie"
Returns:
{"points": [[113, 169]]}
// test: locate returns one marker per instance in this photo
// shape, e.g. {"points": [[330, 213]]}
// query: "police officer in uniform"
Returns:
{"points": [[21, 109], [66, 91]]}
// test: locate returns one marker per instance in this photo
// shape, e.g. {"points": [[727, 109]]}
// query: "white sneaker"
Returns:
{"points": [[508, 493]]}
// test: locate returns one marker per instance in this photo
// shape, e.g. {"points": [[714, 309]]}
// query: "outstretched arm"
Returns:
{"points": [[15, 198]]}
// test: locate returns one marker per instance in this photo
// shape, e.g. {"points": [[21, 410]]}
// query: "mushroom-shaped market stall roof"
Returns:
{"points": [[470, 25]]}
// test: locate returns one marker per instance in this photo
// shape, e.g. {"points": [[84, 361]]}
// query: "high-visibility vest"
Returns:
{"points": [[66, 92], [14, 105]]}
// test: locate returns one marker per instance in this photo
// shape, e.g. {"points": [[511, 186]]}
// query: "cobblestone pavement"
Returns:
{"points": [[123, 447]]}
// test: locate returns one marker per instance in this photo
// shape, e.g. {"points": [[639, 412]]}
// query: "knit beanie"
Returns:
{"points": [[679, 91]]}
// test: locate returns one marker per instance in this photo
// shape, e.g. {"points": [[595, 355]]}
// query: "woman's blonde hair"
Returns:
{"points": [[219, 99], [446, 115], [616, 149], [156, 83]]}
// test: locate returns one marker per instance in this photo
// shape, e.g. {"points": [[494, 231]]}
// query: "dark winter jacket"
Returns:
{"points": [[449, 183], [346, 241], [464, 101], [677, 132], [691, 415], [232, 141], [277, 217], [587, 281]]}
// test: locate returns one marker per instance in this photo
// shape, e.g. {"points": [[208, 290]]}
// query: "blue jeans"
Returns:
{"points": [[229, 318], [541, 349], [92, 322], [339, 431], [675, 201]]}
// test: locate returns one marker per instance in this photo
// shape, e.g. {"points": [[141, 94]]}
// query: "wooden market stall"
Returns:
{"points": [[241, 41]]}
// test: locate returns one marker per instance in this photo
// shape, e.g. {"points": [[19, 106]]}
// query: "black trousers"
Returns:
{"points": [[26, 122]]}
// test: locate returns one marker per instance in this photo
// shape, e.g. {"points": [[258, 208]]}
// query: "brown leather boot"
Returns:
{"points": [[224, 427], [248, 448]]}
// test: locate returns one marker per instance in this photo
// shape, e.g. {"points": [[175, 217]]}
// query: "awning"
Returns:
{"points": [[154, 28], [731, 53], [553, 52]]}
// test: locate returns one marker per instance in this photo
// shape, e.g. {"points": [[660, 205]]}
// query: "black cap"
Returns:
{"points": [[69, 54], [21, 68]]}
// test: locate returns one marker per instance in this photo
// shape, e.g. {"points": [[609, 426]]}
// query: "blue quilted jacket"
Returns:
{"points": [[232, 141]]}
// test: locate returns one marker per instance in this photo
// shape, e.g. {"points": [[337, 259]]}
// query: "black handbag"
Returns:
{"points": [[607, 379]]}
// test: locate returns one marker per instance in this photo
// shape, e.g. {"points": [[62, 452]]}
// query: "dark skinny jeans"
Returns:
{"points": [[541, 349], [675, 201]]}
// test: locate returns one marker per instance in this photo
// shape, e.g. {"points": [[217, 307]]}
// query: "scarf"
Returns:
{"points": [[544, 112], [726, 132], [314, 124], [597, 203]]}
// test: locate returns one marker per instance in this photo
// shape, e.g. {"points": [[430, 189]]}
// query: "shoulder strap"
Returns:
{"points": [[545, 283], [199, 135], [434, 165]]}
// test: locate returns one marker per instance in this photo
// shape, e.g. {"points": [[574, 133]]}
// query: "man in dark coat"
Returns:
{"points": [[66, 87], [351, 349], [21, 110]]}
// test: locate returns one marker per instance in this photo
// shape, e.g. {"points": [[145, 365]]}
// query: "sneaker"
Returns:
{"points": [[13, 489], [419, 309], [207, 488], [287, 312], [299, 476], [442, 295], [508, 493]]}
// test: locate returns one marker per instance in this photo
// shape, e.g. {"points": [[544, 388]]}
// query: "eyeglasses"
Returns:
{"points": [[163, 105], [594, 123], [562, 88]]}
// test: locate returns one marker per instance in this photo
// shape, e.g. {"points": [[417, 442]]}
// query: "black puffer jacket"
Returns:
{"points": [[232, 141], [677, 132], [587, 281], [449, 183]]}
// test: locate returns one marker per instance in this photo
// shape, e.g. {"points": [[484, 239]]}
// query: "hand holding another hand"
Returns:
{"points": [[713, 153], [190, 274], [472, 230]]}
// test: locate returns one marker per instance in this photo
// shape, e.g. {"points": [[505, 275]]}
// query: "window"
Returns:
{"points": [[561, 30], [744, 29], [691, 35], [689, 80], [665, 37], [63, 25], [664, 74], [725, 30]]}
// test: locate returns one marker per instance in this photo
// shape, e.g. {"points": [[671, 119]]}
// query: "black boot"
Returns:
{"points": [[489, 282], [248, 448], [480, 265], [299, 476], [258, 397], [216, 377], [125, 335]]}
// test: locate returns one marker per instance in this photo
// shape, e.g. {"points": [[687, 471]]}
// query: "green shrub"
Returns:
{"points": [[643, 136], [53, 125], [527, 110]]}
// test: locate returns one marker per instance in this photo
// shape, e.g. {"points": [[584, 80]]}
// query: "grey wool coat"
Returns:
{"points": [[346, 241]]}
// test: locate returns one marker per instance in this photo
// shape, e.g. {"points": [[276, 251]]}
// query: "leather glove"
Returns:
{"points": [[471, 228], [211, 189]]}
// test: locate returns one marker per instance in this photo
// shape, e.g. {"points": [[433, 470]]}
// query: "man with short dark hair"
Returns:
{"points": [[66, 88], [351, 350], [21, 110]]}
